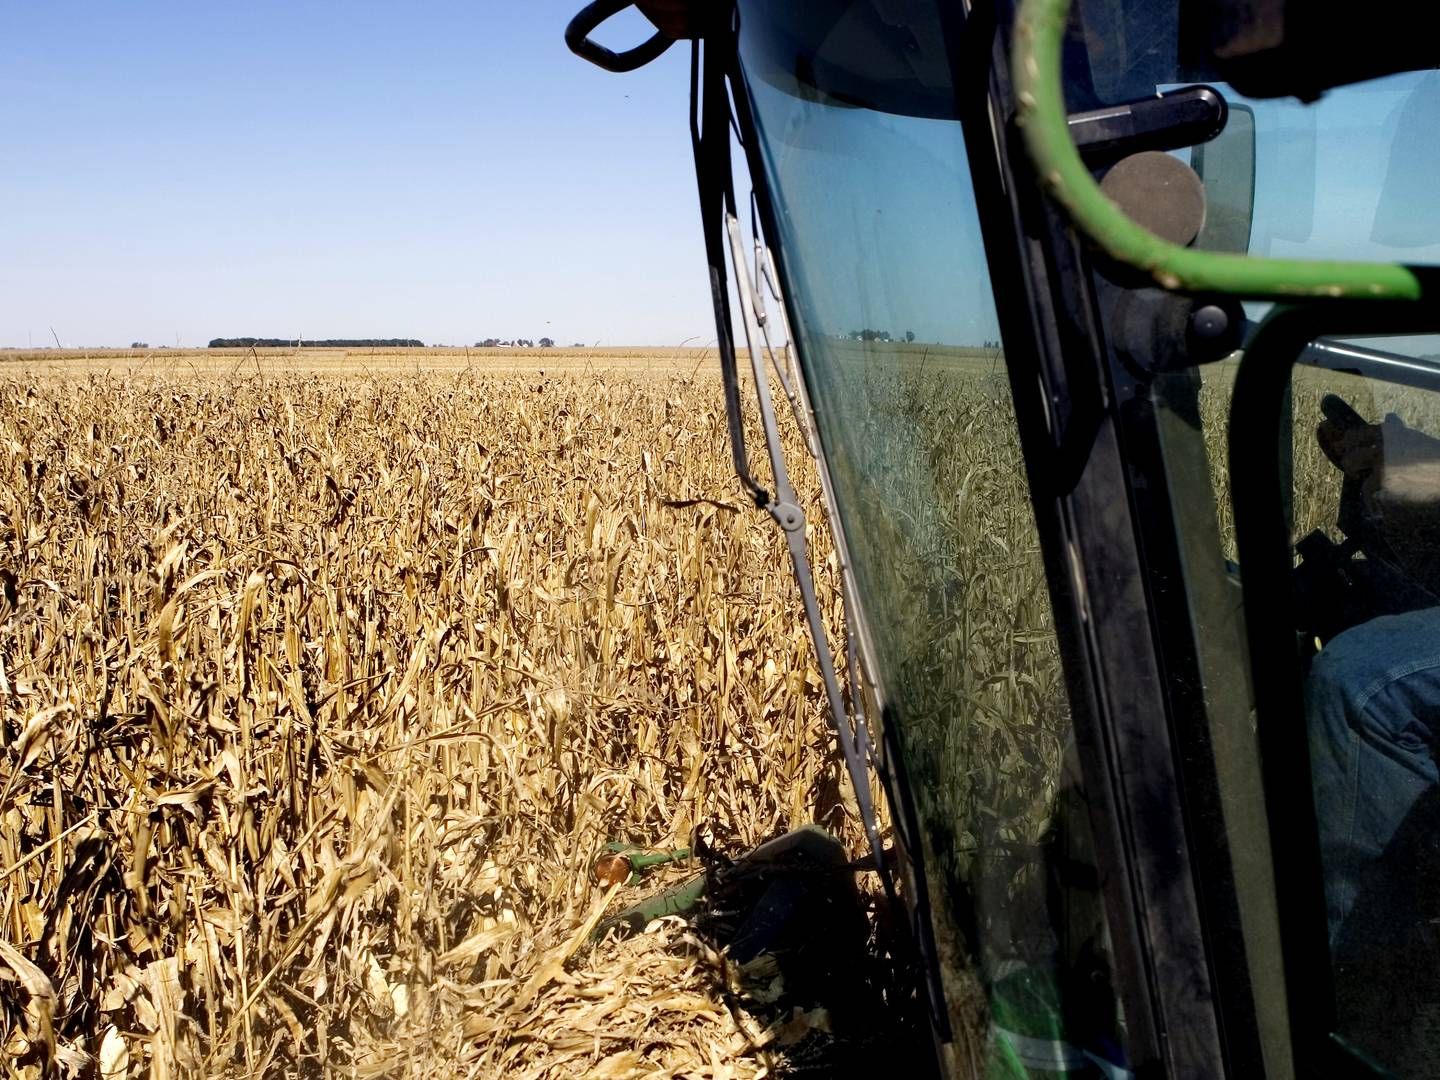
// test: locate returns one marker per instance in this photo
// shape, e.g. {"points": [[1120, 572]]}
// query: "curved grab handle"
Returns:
{"points": [[577, 37], [1035, 59]]}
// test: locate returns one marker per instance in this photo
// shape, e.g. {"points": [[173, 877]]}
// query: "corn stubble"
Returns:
{"points": [[321, 692]]}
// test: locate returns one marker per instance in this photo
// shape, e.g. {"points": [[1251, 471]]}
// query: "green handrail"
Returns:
{"points": [[1035, 57]]}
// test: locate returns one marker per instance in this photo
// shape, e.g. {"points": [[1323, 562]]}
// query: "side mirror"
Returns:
{"points": [[1226, 165], [1408, 214]]}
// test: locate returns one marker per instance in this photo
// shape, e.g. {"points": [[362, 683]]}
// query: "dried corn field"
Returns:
{"points": [[325, 679], [322, 690]]}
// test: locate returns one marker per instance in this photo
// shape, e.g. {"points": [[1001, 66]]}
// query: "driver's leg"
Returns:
{"points": [[1373, 706]]}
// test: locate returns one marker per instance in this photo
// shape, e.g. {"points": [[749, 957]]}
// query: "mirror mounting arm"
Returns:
{"points": [[1168, 121]]}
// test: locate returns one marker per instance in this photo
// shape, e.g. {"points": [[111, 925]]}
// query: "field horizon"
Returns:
{"points": [[626, 359]]}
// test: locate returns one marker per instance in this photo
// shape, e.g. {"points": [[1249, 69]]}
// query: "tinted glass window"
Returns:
{"points": [[895, 320]]}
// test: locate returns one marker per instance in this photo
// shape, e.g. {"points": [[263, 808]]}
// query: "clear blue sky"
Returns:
{"points": [[445, 170], [177, 171]]}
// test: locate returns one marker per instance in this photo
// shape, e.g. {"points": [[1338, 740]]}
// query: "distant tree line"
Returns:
{"points": [[877, 335], [318, 343], [518, 343]]}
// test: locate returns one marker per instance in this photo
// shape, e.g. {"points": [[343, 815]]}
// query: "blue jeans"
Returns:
{"points": [[1373, 707]]}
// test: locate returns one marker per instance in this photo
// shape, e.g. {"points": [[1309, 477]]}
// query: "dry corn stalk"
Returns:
{"points": [[315, 685]]}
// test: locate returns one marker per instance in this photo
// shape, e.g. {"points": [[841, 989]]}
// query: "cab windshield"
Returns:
{"points": [[895, 319]]}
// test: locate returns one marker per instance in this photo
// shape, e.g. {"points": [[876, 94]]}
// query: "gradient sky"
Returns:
{"points": [[176, 171]]}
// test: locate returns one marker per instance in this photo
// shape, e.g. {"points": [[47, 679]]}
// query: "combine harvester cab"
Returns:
{"points": [[1111, 329]]}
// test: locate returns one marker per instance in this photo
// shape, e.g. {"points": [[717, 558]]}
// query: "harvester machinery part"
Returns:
{"points": [[577, 37], [628, 863]]}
